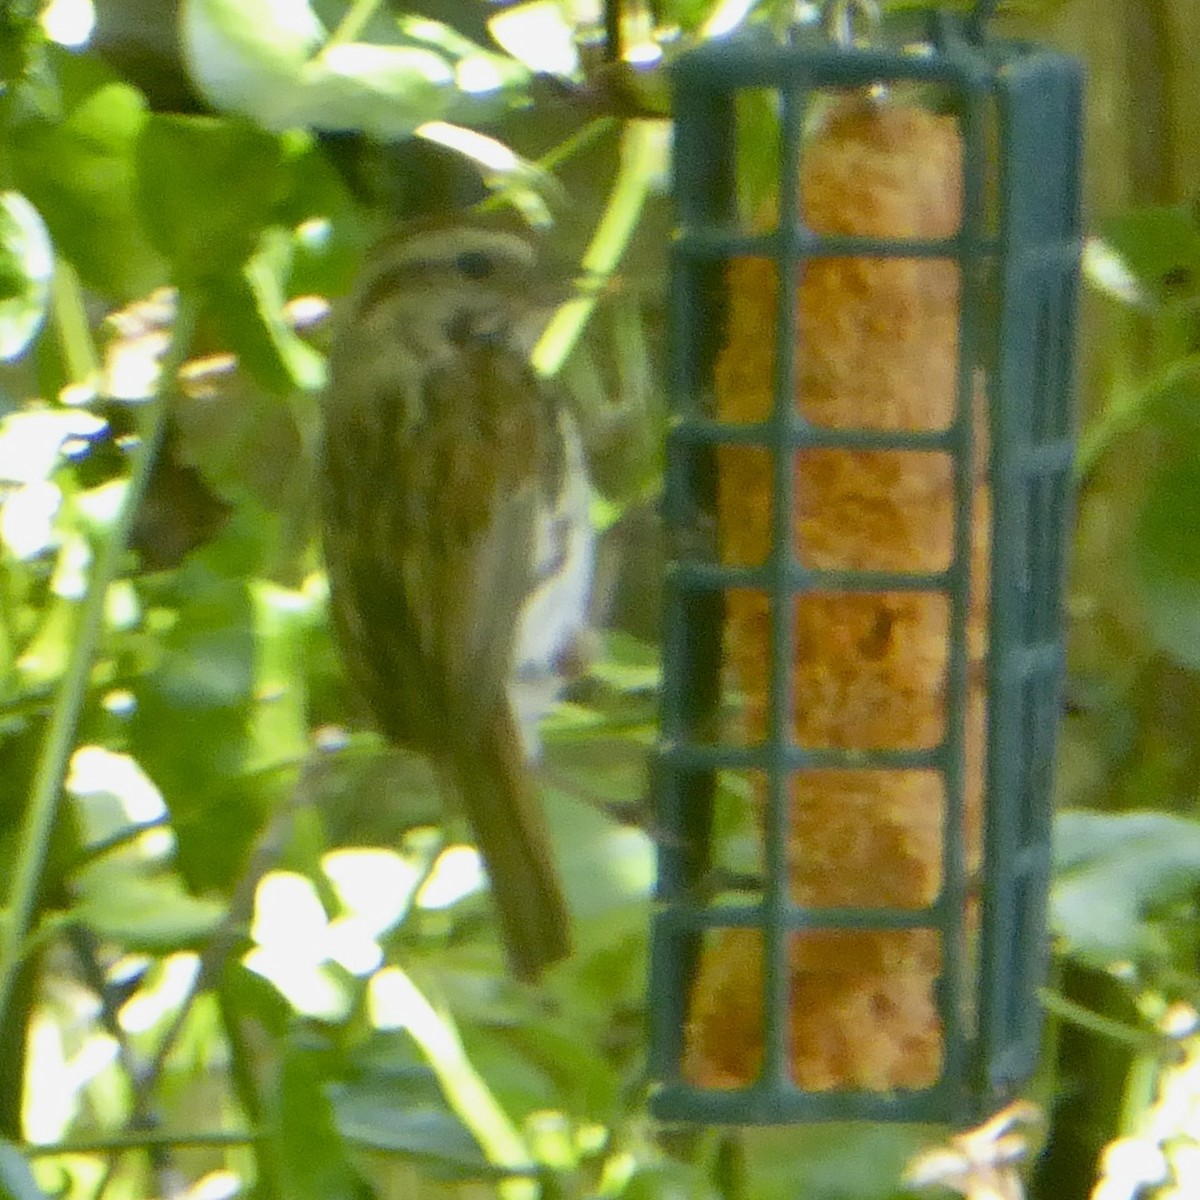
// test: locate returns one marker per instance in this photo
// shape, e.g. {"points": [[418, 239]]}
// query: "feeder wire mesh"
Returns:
{"points": [[953, 316]]}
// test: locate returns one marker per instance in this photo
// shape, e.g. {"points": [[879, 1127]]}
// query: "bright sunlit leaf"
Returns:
{"points": [[30, 441], [70, 578], [476, 70], [27, 519], [352, 945], [488, 152], [395, 1002], [293, 936], [289, 917], [111, 793], [479, 74], [1130, 1165], [1105, 269], [245, 54], [374, 885], [64, 1072], [521, 182], [121, 609], [307, 987], [165, 988], [385, 91], [216, 1185], [100, 506], [69, 22], [26, 268], [457, 873], [725, 17], [539, 35]]}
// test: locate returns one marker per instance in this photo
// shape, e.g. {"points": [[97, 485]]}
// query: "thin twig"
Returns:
{"points": [[119, 1143]]}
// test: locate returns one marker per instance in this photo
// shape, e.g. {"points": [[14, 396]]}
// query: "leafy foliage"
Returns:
{"points": [[164, 660], [1123, 903], [237, 936]]}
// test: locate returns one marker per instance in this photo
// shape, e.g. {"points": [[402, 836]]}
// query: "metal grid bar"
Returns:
{"points": [[1039, 104], [798, 435]]}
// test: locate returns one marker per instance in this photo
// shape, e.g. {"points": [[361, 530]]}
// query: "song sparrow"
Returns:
{"points": [[457, 538]]}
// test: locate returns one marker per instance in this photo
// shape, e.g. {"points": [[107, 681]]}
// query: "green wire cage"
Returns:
{"points": [[897, 887]]}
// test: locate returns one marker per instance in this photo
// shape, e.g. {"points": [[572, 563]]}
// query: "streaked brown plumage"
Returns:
{"points": [[457, 539]]}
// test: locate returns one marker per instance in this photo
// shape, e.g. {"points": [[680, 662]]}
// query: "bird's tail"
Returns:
{"points": [[492, 781]]}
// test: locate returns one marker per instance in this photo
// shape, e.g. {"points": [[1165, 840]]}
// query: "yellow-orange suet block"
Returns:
{"points": [[876, 349]]}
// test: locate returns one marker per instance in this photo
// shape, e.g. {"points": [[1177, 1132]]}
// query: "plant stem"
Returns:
{"points": [[640, 151], [352, 24], [141, 1140], [1143, 1040], [576, 143], [71, 325]]}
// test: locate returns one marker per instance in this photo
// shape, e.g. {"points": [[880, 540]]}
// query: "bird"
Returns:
{"points": [[457, 539]]}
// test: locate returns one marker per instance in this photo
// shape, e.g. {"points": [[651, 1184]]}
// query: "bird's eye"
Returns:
{"points": [[475, 264]]}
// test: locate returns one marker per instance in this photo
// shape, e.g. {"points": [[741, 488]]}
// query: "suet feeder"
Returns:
{"points": [[868, 496]]}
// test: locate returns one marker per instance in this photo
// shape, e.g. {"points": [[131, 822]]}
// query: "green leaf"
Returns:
{"points": [[383, 91], [331, 230], [272, 61], [540, 1062], [20, 41], [30, 440], [79, 172], [210, 651], [250, 995], [312, 1155], [759, 150], [190, 728], [670, 1179], [445, 40], [1155, 242], [249, 308], [264, 58], [381, 1114], [1169, 401], [1167, 565], [628, 664], [144, 912], [45, 656], [26, 267], [1173, 404], [246, 55], [541, 35], [478, 73], [1113, 873], [246, 445], [280, 724], [206, 187], [836, 1160], [16, 1179], [604, 865]]}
